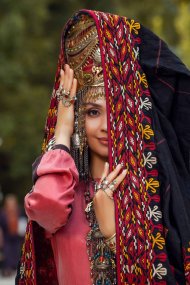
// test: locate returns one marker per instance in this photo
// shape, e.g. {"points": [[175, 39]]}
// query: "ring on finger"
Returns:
{"points": [[111, 186], [67, 102], [105, 183], [61, 92], [60, 87], [98, 187], [64, 95], [64, 92]]}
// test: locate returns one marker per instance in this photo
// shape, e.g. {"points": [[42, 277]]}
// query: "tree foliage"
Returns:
{"points": [[30, 35]]}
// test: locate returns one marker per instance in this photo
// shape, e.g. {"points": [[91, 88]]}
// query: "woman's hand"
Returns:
{"points": [[65, 115], [103, 204]]}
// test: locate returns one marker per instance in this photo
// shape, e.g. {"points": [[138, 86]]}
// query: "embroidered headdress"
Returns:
{"points": [[83, 55]]}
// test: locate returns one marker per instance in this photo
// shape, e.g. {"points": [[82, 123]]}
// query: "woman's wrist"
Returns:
{"points": [[63, 137], [61, 140], [65, 140]]}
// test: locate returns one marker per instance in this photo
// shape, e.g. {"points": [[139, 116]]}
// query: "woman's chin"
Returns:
{"points": [[104, 154], [101, 154]]}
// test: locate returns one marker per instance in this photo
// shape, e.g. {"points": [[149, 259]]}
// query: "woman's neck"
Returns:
{"points": [[97, 164]]}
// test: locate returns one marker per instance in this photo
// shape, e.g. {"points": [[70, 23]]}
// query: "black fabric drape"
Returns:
{"points": [[169, 84]]}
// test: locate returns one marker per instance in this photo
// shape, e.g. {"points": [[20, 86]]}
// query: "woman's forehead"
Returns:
{"points": [[98, 102]]}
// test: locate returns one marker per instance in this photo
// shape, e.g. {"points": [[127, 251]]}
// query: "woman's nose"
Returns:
{"points": [[104, 123]]}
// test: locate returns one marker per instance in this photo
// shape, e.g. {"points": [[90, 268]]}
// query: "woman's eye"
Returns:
{"points": [[92, 112]]}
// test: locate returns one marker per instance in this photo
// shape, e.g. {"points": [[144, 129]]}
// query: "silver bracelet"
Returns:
{"points": [[51, 144], [111, 243]]}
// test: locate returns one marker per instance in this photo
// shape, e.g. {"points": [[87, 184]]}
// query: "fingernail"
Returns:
{"points": [[106, 164], [124, 171], [122, 163]]}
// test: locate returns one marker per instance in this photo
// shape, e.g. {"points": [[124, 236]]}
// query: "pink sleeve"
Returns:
{"points": [[50, 202]]}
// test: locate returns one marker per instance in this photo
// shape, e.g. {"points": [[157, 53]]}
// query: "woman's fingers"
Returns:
{"points": [[110, 177], [68, 81], [65, 114], [62, 77], [113, 185], [68, 77], [105, 172], [114, 173], [119, 179], [73, 88], [112, 181]]}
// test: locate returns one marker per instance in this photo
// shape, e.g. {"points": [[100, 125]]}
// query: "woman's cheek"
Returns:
{"points": [[91, 126]]}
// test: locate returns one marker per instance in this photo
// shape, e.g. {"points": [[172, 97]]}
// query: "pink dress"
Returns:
{"points": [[57, 203]]}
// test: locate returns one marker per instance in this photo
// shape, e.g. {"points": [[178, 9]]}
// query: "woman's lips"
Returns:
{"points": [[103, 141]]}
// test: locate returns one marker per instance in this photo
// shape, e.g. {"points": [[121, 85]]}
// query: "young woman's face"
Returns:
{"points": [[96, 127]]}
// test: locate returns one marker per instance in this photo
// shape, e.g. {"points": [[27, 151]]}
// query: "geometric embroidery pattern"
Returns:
{"points": [[141, 258]]}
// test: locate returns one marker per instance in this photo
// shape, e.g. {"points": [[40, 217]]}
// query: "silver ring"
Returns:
{"points": [[104, 183], [111, 186], [99, 186], [69, 101], [64, 92], [60, 87], [64, 95]]}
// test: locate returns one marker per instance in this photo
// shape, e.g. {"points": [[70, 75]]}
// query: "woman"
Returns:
{"points": [[147, 112]]}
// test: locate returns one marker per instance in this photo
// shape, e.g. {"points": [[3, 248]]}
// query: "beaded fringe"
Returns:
{"points": [[79, 147]]}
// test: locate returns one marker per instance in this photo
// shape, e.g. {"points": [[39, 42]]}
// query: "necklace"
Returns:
{"points": [[102, 259]]}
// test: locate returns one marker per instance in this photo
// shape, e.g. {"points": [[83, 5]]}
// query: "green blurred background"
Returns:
{"points": [[29, 46]]}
